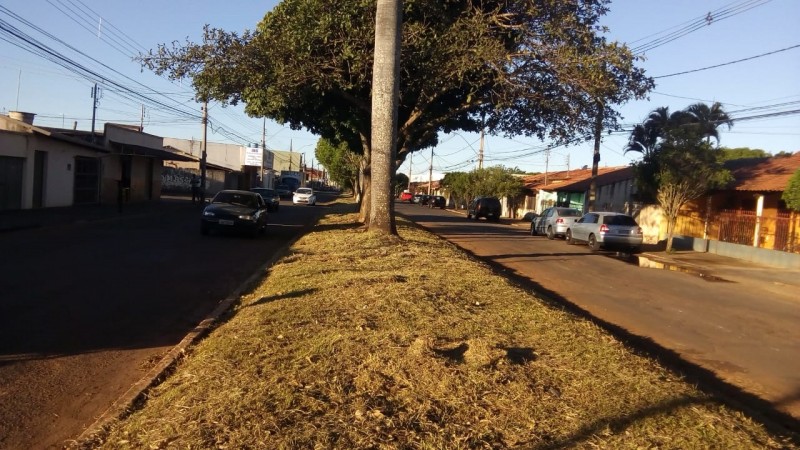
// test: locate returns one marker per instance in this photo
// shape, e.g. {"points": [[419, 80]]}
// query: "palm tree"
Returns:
{"points": [[709, 119], [645, 136]]}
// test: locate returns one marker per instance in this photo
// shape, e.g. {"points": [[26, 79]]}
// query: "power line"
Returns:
{"points": [[20, 39], [730, 10], [729, 63]]}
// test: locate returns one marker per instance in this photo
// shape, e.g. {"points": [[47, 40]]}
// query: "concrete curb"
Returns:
{"points": [[651, 261]]}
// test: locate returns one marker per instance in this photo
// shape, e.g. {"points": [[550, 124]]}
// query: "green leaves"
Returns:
{"points": [[792, 193], [497, 181], [513, 68], [677, 150]]}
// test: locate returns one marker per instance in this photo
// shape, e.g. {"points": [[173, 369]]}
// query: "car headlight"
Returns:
{"points": [[208, 213], [247, 217]]}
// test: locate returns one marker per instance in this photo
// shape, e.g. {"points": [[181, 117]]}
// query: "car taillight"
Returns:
{"points": [[604, 228], [559, 220]]}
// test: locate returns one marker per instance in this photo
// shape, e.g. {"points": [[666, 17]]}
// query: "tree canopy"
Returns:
{"points": [[497, 181], [729, 154], [679, 161], [662, 134], [511, 67], [791, 195], [340, 161]]}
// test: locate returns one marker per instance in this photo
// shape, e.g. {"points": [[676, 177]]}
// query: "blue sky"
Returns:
{"points": [[111, 31]]}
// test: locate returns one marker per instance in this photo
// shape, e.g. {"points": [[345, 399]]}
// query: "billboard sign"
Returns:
{"points": [[253, 156]]}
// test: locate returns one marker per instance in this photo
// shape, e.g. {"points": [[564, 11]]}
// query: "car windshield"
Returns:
{"points": [[569, 212], [235, 198], [282, 187], [303, 191], [620, 220]]}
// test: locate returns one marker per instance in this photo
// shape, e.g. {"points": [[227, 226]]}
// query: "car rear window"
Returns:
{"points": [[625, 221], [569, 213]]}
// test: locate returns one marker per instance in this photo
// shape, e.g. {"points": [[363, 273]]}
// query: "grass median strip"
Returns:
{"points": [[358, 341]]}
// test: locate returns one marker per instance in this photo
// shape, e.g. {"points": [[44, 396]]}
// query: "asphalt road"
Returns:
{"points": [[747, 339], [86, 309]]}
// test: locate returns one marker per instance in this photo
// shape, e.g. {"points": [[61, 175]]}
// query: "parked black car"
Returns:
{"points": [[437, 201], [421, 199], [488, 207], [270, 196], [284, 191], [235, 211]]}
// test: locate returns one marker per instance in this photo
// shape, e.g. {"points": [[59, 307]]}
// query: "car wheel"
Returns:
{"points": [[533, 230], [593, 243], [550, 234], [204, 230], [469, 216], [568, 238]]}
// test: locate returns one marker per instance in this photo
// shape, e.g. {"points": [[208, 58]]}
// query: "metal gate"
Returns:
{"points": [[87, 180]]}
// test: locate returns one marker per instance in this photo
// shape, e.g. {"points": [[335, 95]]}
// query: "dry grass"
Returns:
{"points": [[358, 341]]}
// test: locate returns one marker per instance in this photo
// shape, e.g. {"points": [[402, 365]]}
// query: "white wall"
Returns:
{"points": [[59, 170], [615, 197]]}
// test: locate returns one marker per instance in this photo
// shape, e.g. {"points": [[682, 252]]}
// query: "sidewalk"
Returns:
{"points": [[722, 268], [715, 267]]}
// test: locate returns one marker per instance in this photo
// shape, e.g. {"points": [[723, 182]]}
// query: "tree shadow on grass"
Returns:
{"points": [[285, 296], [619, 424], [338, 226]]}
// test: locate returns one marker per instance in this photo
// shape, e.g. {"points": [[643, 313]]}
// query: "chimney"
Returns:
{"points": [[22, 116]]}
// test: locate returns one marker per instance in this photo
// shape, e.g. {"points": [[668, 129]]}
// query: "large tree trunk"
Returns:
{"points": [[385, 94]]}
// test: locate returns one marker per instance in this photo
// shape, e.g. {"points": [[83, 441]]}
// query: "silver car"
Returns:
{"points": [[554, 221], [606, 229]]}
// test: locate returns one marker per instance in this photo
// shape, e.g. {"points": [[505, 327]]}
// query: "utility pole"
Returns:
{"points": [[290, 155], [410, 158], [203, 155], [94, 108], [430, 174], [141, 120], [19, 83], [480, 152], [546, 164], [598, 131], [263, 152]]}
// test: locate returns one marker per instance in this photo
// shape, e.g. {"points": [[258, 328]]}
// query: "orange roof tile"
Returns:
{"points": [[556, 180], [771, 174]]}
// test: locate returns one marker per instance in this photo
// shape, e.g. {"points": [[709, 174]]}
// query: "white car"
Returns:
{"points": [[304, 195]]}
